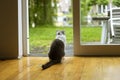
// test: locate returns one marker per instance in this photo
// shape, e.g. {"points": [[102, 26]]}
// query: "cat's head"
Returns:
{"points": [[58, 32], [61, 36]]}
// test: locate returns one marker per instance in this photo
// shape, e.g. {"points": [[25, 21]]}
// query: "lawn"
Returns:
{"points": [[90, 34], [45, 34], [42, 36]]}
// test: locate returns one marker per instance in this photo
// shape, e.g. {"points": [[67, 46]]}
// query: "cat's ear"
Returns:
{"points": [[63, 32]]}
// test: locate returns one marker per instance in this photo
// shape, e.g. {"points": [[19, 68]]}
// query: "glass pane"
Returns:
{"points": [[100, 22], [46, 18]]}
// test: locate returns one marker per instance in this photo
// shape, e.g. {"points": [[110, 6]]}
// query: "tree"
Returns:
{"points": [[116, 3], [99, 2], [102, 2], [84, 8], [92, 2], [31, 11], [42, 11]]}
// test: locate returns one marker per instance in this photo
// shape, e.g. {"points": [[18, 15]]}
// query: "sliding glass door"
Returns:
{"points": [[94, 32]]}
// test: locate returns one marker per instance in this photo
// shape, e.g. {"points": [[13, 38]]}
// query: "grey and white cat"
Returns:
{"points": [[61, 36], [57, 50]]}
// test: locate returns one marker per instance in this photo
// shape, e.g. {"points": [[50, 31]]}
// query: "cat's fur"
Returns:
{"points": [[56, 52], [61, 36]]}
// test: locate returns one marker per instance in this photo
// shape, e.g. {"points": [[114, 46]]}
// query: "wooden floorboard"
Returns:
{"points": [[72, 68]]}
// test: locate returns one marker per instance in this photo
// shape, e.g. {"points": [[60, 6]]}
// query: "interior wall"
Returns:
{"points": [[9, 40]]}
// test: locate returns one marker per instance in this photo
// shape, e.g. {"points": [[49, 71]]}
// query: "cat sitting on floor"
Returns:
{"points": [[57, 51]]}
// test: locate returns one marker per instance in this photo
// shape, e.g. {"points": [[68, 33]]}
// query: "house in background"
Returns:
{"points": [[63, 8]]}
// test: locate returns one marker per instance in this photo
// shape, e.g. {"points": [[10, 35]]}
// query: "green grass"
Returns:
{"points": [[43, 36], [90, 34]]}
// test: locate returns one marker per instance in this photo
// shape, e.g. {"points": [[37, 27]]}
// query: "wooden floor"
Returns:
{"points": [[73, 68]]}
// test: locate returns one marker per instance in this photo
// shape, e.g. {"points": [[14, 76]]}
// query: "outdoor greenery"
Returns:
{"points": [[116, 2], [42, 12], [86, 5], [99, 2], [91, 34], [44, 35]]}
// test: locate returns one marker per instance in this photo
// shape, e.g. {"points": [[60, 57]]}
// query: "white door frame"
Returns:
{"points": [[25, 27]]}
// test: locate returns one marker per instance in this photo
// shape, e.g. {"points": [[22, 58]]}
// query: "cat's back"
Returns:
{"points": [[57, 45], [57, 49]]}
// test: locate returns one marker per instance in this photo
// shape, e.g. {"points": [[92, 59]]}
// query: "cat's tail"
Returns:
{"points": [[49, 64]]}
